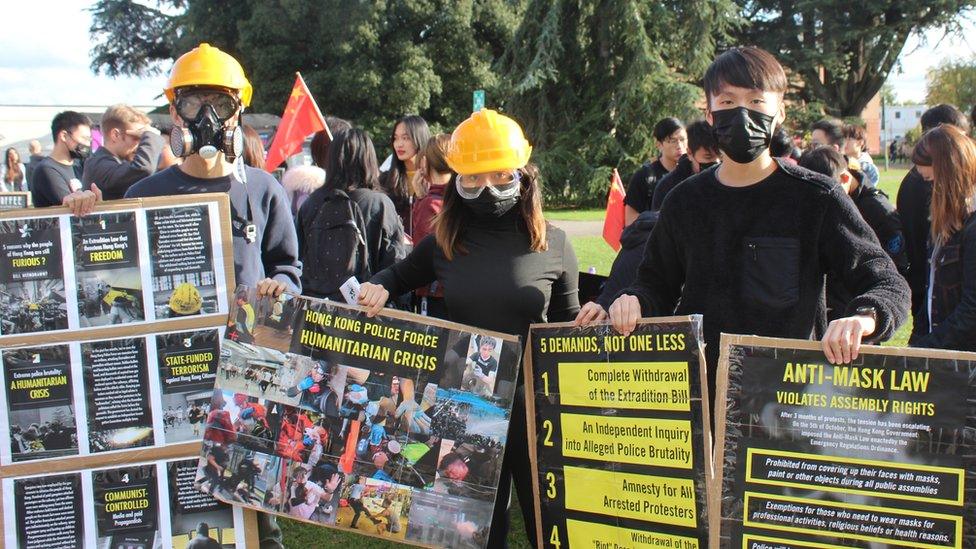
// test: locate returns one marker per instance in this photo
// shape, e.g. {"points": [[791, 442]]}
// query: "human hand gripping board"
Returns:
{"points": [[875, 453], [393, 426], [618, 430]]}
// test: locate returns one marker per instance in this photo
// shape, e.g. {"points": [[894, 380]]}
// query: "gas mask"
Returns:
{"points": [[205, 115]]}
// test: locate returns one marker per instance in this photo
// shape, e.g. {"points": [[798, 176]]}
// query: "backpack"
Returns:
{"points": [[335, 247]]}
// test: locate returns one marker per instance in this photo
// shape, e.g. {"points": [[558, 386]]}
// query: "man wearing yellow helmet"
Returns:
{"points": [[502, 267]]}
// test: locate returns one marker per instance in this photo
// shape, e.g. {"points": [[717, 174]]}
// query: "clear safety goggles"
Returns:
{"points": [[499, 184], [189, 103]]}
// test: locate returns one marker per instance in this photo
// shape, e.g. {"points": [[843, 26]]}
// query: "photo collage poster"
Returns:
{"points": [[876, 453], [134, 506], [621, 452], [93, 397], [392, 426], [118, 266]]}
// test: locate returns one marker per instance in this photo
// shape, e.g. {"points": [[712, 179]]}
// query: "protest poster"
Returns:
{"points": [[128, 263], [621, 456], [875, 453], [98, 396], [143, 505], [14, 200], [392, 426]]}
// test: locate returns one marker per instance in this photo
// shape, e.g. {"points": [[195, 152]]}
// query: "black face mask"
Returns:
{"points": [[80, 152], [488, 205], [207, 135], [742, 134], [702, 166]]}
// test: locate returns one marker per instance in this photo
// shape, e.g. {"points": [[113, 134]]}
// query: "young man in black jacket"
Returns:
{"points": [[747, 245], [702, 154]]}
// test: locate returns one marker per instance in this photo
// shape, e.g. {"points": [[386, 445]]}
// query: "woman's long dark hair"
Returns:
{"points": [[450, 222], [394, 182], [352, 162], [12, 172]]}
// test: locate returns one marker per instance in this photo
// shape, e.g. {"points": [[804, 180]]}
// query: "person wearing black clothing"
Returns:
{"points": [[947, 318], [873, 206], [671, 141], [503, 267], [56, 177], [130, 152], [702, 154], [352, 171], [914, 203], [747, 245], [624, 268], [408, 139]]}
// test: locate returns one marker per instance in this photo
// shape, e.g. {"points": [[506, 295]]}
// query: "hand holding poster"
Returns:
{"points": [[622, 455], [393, 426], [868, 454]]}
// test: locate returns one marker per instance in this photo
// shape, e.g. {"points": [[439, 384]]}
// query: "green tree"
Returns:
{"points": [[952, 82], [588, 79], [842, 51], [371, 62]]}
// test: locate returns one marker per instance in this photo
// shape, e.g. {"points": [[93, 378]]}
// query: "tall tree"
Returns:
{"points": [[842, 51], [589, 79], [952, 82], [371, 62]]}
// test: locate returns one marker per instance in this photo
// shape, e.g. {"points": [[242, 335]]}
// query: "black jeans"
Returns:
{"points": [[515, 467]]}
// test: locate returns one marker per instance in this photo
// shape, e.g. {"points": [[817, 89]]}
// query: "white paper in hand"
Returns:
{"points": [[350, 290]]}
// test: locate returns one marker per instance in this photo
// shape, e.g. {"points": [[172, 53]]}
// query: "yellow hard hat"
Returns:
{"points": [[206, 65], [185, 300], [487, 142]]}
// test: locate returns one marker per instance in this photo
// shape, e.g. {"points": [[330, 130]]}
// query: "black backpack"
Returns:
{"points": [[335, 247]]}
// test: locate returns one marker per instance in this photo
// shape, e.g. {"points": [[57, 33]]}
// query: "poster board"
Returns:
{"points": [[135, 505], [875, 453], [128, 264], [618, 431], [393, 426], [15, 200]]}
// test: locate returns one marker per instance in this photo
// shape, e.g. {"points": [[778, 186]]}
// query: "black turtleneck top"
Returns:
{"points": [[499, 284]]}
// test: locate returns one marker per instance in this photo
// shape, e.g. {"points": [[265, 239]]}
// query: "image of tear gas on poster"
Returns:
{"points": [[392, 426]]}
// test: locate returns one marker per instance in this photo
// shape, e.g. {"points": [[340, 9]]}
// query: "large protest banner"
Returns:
{"points": [[621, 450], [876, 453], [130, 262], [139, 505], [393, 426]]}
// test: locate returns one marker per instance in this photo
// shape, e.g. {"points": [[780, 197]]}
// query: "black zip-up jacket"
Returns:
{"points": [[500, 284], [913, 202], [953, 295], [624, 269], [683, 170], [752, 259]]}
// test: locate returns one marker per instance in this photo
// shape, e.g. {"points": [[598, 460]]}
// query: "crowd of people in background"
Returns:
{"points": [[735, 218]]}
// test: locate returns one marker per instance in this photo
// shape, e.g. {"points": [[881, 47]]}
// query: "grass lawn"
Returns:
{"points": [[590, 251]]}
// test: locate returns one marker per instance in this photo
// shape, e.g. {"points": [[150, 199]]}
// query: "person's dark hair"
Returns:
{"points": [[203, 529], [824, 160], [749, 67], [944, 114], [665, 127], [700, 137], [253, 148], [856, 133], [68, 121], [449, 224], [352, 162], [832, 128], [781, 145], [320, 141], [394, 182]]}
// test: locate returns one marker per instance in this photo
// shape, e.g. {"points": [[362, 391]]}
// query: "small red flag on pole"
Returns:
{"points": [[301, 119], [613, 221]]}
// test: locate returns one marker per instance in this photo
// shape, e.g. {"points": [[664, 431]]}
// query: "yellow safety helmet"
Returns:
{"points": [[487, 142], [206, 65], [185, 300]]}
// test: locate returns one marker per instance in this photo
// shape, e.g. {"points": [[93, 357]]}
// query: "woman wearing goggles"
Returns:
{"points": [[502, 267]]}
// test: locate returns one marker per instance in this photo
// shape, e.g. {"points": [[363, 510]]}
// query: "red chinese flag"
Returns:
{"points": [[301, 119], [613, 221]]}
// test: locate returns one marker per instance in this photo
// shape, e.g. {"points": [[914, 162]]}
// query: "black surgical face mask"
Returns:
{"points": [[207, 134], [702, 166], [79, 151], [742, 134], [488, 205]]}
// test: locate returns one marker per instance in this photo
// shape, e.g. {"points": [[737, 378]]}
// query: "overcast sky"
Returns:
{"points": [[46, 50]]}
